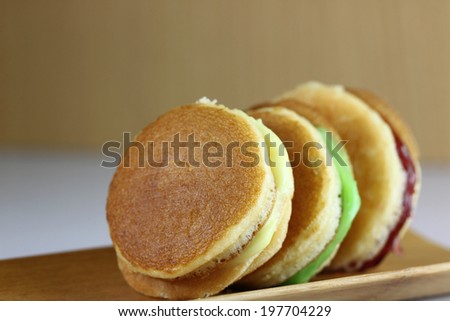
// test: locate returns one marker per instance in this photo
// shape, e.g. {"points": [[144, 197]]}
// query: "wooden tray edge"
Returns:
{"points": [[408, 283]]}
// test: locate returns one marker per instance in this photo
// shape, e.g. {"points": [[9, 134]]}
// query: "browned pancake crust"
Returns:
{"points": [[163, 218], [210, 282]]}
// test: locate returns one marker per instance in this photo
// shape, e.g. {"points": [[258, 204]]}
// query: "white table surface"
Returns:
{"points": [[55, 201]]}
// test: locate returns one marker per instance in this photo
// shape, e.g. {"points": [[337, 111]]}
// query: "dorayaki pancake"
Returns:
{"points": [[350, 199], [180, 229], [378, 169], [316, 206], [409, 155]]}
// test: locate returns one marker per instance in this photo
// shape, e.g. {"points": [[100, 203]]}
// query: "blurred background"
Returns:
{"points": [[75, 74]]}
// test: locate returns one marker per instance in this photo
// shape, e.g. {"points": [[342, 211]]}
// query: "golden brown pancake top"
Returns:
{"points": [[162, 218]]}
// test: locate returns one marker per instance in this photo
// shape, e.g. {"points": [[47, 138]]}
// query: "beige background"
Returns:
{"points": [[74, 74]]}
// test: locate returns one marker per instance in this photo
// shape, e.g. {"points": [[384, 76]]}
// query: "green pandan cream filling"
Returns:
{"points": [[351, 202]]}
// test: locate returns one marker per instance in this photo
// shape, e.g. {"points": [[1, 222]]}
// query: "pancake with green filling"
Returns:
{"points": [[189, 229], [325, 199]]}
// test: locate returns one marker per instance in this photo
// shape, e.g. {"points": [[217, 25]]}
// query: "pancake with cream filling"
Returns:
{"points": [[192, 227]]}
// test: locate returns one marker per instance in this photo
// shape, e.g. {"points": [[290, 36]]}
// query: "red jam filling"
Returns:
{"points": [[393, 240]]}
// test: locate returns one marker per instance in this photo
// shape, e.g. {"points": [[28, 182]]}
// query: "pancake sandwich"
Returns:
{"points": [[325, 199], [385, 161], [192, 226]]}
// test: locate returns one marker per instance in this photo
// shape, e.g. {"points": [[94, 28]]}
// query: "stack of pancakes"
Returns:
{"points": [[322, 177]]}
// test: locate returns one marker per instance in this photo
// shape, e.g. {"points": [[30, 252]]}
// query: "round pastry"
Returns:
{"points": [[385, 160], [325, 199], [205, 208]]}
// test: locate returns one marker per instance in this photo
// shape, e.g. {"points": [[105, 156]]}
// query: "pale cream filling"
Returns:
{"points": [[281, 172]]}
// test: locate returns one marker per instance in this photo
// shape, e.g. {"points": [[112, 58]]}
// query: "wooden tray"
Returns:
{"points": [[423, 270]]}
